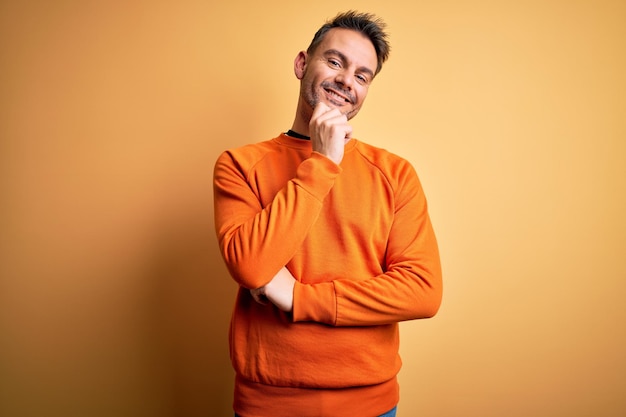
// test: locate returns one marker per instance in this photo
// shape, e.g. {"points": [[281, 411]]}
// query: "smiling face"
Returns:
{"points": [[339, 73]]}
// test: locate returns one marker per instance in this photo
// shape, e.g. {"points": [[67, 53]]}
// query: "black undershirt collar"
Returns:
{"points": [[296, 135]]}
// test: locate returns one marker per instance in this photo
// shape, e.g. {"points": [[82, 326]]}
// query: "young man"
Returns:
{"points": [[330, 241]]}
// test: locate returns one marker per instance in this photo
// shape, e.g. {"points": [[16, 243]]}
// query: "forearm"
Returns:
{"points": [[402, 293], [398, 281], [257, 239]]}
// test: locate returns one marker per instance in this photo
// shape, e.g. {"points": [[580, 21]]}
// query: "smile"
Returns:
{"points": [[335, 96]]}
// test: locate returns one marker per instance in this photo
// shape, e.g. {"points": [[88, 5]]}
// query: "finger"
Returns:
{"points": [[258, 296], [330, 124], [332, 116], [348, 131], [320, 109], [338, 126]]}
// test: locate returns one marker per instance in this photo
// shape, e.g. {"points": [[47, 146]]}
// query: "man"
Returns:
{"points": [[330, 241]]}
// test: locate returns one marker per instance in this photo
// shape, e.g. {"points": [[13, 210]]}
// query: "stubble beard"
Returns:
{"points": [[312, 97]]}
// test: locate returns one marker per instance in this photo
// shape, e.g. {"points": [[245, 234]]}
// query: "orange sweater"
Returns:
{"points": [[358, 239]]}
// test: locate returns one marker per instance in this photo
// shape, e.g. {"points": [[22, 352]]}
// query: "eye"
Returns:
{"points": [[333, 63], [362, 79]]}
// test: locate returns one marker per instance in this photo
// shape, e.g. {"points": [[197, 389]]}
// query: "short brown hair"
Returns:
{"points": [[365, 23]]}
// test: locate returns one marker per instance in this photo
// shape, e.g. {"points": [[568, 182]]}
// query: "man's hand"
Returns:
{"points": [[279, 290], [330, 131]]}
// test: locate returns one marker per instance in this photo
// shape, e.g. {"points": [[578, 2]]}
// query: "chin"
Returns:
{"points": [[350, 111], [351, 115]]}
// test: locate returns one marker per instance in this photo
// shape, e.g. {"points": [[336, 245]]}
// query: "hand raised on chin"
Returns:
{"points": [[330, 131]]}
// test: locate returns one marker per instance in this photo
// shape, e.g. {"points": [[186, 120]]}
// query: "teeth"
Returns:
{"points": [[332, 93]]}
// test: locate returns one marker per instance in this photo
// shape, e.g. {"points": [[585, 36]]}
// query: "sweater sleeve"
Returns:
{"points": [[410, 286], [255, 240]]}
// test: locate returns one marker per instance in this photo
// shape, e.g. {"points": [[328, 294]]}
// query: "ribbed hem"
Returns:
{"points": [[260, 400]]}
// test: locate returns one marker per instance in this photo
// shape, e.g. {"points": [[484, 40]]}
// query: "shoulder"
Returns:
{"points": [[253, 150], [393, 166], [398, 172], [247, 155]]}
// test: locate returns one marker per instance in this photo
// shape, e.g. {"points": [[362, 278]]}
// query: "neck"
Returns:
{"points": [[303, 116]]}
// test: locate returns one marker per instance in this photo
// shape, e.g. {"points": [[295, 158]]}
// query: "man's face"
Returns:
{"points": [[338, 72]]}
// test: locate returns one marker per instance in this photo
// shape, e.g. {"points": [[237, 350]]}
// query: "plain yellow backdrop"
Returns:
{"points": [[113, 298]]}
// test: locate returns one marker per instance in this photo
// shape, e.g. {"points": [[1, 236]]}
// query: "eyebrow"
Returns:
{"points": [[344, 58]]}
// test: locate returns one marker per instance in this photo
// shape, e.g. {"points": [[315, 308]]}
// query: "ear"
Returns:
{"points": [[299, 64]]}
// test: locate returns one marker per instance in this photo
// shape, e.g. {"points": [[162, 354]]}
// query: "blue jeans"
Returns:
{"points": [[390, 413]]}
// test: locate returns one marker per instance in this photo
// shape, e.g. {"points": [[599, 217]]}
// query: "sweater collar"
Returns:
{"points": [[287, 140]]}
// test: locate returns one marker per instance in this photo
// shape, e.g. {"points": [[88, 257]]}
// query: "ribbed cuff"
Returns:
{"points": [[317, 175], [316, 303]]}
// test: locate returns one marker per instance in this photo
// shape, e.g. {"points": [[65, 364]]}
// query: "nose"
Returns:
{"points": [[345, 79]]}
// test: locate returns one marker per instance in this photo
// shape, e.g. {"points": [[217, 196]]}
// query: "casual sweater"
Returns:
{"points": [[359, 241]]}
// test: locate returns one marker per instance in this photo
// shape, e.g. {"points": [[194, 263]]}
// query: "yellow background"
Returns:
{"points": [[113, 298]]}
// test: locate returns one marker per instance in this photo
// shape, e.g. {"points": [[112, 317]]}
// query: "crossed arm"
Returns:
{"points": [[257, 243]]}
